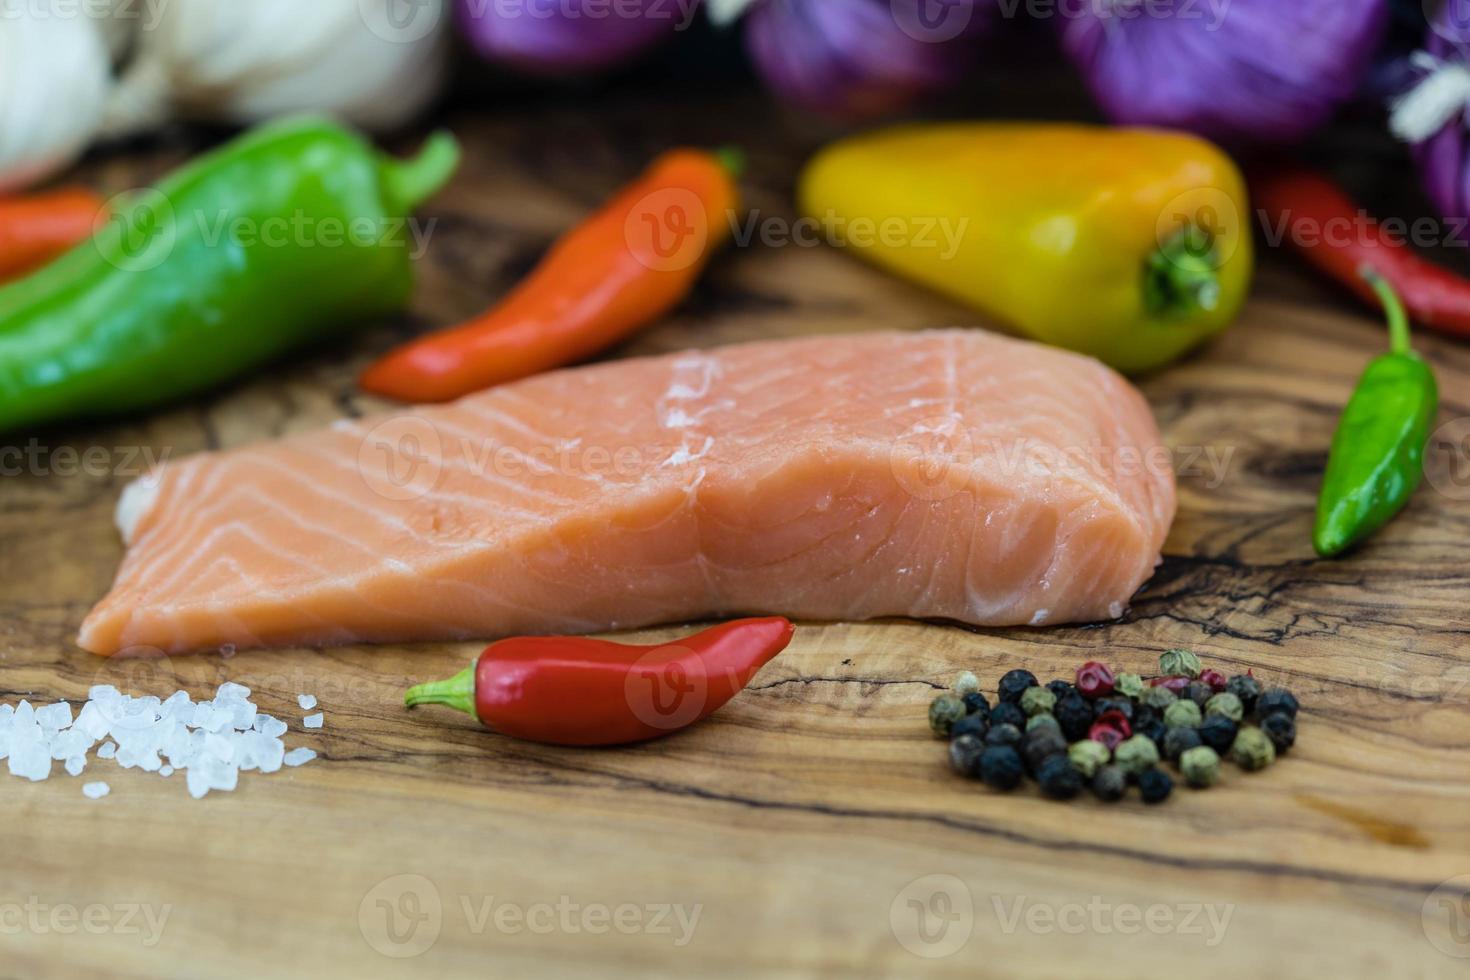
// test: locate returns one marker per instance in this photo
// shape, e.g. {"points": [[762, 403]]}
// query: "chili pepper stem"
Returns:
{"points": [[1182, 277], [1398, 318], [408, 183], [458, 692], [732, 158]]}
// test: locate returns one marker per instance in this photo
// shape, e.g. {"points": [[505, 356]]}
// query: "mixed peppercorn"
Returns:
{"points": [[1105, 730]]}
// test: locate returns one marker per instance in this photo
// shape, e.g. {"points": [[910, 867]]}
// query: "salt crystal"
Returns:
{"points": [[7, 711], [24, 714], [270, 755], [229, 690], [197, 782], [102, 692], [313, 721], [221, 747], [307, 701], [244, 716], [270, 727], [95, 791], [219, 717], [75, 765], [166, 771], [107, 751], [30, 761], [299, 757], [54, 716], [69, 743], [91, 721]]}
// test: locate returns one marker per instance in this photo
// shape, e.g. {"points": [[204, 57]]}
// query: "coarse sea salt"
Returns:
{"points": [[211, 741], [307, 701]]}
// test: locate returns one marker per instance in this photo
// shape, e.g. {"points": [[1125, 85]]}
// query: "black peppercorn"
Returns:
{"points": [[1059, 689], [1245, 687], [1280, 728], [1039, 744], [1014, 684], [976, 704], [1000, 767], [1123, 706], [1074, 712], [1177, 741], [1218, 732], [1059, 779], [1143, 716], [969, 725], [1199, 692], [1278, 699], [1155, 730], [1003, 734], [964, 755], [1007, 713], [1110, 784], [1155, 785]]}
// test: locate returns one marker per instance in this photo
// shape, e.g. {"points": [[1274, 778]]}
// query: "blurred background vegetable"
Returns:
{"points": [[1250, 71], [37, 228], [1434, 115], [552, 37]]}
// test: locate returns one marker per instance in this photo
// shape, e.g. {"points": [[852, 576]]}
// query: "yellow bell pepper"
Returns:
{"points": [[1131, 245]]}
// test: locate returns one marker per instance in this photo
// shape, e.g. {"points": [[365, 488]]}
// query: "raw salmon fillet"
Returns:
{"points": [[957, 475]]}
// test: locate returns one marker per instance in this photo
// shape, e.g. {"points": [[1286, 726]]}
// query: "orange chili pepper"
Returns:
{"points": [[37, 228], [623, 268]]}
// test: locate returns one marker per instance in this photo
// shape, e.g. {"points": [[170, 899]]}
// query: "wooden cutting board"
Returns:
{"points": [[813, 826]]}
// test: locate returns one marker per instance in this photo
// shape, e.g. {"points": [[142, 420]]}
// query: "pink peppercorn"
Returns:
{"points": [[1111, 729], [1175, 684], [1214, 678], [1094, 680]]}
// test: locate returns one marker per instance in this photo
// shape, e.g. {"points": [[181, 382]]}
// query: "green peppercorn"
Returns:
{"points": [[1226, 705], [1154, 785], [1178, 741], [1199, 692], [1110, 784], [969, 725], [1058, 778], [1003, 734], [1245, 687], [1280, 728], [1129, 685], [966, 683], [1037, 701], [1158, 698], [1277, 699], [1015, 683], [1180, 662], [1043, 721], [1183, 714], [1088, 756], [1252, 749], [1000, 767], [1200, 766], [944, 712], [1136, 754], [964, 755], [1218, 732]]}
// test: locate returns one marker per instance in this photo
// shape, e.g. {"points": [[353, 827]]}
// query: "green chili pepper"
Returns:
{"points": [[1377, 455], [281, 237]]}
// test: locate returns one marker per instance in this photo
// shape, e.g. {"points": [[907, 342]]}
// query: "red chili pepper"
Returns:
{"points": [[620, 270], [1318, 220], [569, 690], [1095, 680], [39, 227]]}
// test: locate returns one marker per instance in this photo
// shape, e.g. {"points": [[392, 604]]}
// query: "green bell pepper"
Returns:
{"points": [[282, 237]]}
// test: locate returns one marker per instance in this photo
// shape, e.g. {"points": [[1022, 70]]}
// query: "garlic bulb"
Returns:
{"points": [[54, 77], [374, 63]]}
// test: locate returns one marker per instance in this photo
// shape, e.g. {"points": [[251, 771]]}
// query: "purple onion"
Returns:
{"points": [[1433, 114], [550, 37], [1242, 71], [858, 58]]}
